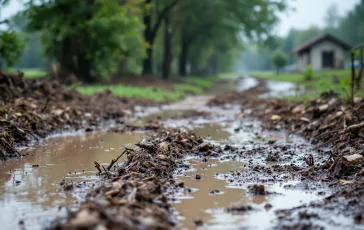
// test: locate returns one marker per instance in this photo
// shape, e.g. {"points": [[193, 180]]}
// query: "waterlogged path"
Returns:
{"points": [[219, 193]]}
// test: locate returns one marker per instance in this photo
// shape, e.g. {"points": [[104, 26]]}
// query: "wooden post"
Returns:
{"points": [[167, 55], [352, 76], [361, 68]]}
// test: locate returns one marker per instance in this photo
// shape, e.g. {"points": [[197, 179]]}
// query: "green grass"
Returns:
{"points": [[202, 82], [30, 73], [230, 75], [299, 77], [195, 89], [336, 80], [153, 93], [191, 85]]}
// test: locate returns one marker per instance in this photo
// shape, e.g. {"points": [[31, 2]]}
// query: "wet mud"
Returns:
{"points": [[30, 188], [236, 161], [33, 109]]}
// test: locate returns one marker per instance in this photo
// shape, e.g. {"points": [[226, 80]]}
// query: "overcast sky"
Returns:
{"points": [[310, 12], [307, 13]]}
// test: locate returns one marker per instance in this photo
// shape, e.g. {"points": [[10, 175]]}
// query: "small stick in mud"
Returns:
{"points": [[104, 168], [309, 160], [115, 160], [97, 165], [46, 105], [355, 128], [147, 146]]}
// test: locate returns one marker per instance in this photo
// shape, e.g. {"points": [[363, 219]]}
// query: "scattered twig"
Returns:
{"points": [[46, 105], [115, 160], [97, 165], [355, 128]]}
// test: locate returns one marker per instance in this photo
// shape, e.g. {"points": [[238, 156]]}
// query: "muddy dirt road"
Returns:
{"points": [[201, 166]]}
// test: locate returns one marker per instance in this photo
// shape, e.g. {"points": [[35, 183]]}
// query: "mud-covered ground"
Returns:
{"points": [[140, 192], [335, 128], [32, 109]]}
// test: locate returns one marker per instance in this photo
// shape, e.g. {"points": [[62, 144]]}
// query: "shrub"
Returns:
{"points": [[308, 73]]}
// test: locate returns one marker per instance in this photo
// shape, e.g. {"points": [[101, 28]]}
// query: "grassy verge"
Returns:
{"points": [[336, 80], [190, 85], [30, 73]]}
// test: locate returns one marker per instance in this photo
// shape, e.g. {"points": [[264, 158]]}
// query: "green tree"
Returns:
{"points": [[210, 29], [155, 12], [11, 42], [332, 18], [32, 55], [90, 38], [279, 59], [351, 28], [305, 35]]}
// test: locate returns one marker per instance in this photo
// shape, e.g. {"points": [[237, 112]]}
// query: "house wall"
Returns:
{"points": [[316, 56], [302, 61]]}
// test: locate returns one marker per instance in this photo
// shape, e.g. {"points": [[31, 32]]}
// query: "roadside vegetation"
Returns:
{"points": [[326, 76], [30, 73], [157, 92], [336, 80]]}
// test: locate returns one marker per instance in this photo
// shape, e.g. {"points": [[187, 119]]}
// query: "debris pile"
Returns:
{"points": [[36, 107], [328, 122], [136, 193]]}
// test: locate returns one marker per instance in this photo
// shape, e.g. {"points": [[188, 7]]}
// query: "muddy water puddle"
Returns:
{"points": [[30, 195], [209, 198], [208, 193], [211, 195]]}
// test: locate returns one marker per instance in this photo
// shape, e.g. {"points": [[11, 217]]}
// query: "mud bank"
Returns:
{"points": [[33, 109], [247, 170], [335, 128], [262, 171], [137, 194]]}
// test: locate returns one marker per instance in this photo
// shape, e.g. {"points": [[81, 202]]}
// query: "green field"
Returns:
{"points": [[30, 73], [191, 85], [336, 80], [326, 76]]}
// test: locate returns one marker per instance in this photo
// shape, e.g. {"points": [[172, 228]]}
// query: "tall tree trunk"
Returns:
{"points": [[83, 69], [124, 67], [361, 69], [67, 65], [195, 69], [74, 63], [151, 32], [214, 65], [183, 60], [148, 37], [167, 57], [183, 56]]}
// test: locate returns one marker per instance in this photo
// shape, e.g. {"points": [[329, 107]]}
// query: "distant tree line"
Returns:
{"points": [[350, 28], [94, 39]]}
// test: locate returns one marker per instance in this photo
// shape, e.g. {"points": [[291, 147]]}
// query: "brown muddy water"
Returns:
{"points": [[30, 194], [212, 194]]}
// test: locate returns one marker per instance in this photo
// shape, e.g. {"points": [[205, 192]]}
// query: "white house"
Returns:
{"points": [[322, 52]]}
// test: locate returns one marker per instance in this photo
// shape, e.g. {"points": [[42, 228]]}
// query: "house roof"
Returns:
{"points": [[323, 37]]}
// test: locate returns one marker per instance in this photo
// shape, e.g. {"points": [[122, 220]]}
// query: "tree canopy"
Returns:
{"points": [[11, 43], [94, 39], [279, 59]]}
